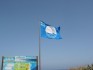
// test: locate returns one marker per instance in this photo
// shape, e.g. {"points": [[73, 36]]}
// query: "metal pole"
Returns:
{"points": [[37, 62], [39, 50], [2, 63]]}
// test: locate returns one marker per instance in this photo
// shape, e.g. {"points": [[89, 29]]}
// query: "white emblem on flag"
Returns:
{"points": [[50, 30]]}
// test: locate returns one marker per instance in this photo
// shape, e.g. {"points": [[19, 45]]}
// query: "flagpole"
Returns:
{"points": [[39, 50]]}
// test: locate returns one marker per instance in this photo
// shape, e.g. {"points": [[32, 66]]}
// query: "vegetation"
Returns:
{"points": [[88, 67]]}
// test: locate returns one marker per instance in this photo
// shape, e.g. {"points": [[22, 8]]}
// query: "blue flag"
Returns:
{"points": [[48, 31]]}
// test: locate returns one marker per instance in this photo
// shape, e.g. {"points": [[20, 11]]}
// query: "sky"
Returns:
{"points": [[19, 31]]}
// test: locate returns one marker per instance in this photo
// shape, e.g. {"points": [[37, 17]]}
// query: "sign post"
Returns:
{"points": [[20, 63]]}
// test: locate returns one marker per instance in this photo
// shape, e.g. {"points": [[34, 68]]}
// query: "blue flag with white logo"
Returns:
{"points": [[48, 31]]}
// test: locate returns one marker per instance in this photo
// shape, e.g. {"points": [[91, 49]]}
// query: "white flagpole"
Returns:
{"points": [[39, 50]]}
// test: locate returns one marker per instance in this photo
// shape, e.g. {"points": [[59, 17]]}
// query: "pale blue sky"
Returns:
{"points": [[19, 31]]}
